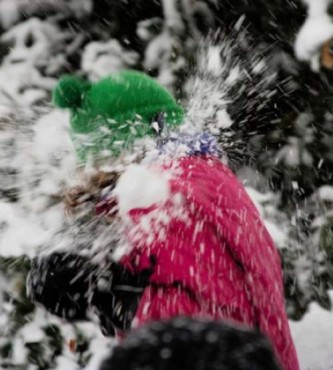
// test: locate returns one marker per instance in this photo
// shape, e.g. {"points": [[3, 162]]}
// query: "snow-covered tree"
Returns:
{"points": [[278, 137]]}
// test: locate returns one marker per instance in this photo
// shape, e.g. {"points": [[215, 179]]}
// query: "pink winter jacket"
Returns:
{"points": [[217, 262]]}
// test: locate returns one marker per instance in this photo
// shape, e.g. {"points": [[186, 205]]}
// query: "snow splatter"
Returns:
{"points": [[140, 187], [40, 159]]}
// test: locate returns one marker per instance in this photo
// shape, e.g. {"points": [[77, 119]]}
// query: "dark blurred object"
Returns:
{"points": [[61, 282], [189, 344], [70, 286]]}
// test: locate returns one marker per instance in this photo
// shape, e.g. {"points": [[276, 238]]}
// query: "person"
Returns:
{"points": [[186, 224]]}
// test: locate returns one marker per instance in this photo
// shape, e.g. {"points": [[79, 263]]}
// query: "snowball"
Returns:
{"points": [[140, 187]]}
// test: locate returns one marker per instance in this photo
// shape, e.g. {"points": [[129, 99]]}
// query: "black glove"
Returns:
{"points": [[69, 285], [62, 283]]}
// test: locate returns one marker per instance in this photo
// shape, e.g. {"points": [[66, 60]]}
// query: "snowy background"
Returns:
{"points": [[278, 139]]}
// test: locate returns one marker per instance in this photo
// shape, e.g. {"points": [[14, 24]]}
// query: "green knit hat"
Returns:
{"points": [[110, 114]]}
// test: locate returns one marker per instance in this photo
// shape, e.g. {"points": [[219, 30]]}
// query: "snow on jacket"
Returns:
{"points": [[213, 256]]}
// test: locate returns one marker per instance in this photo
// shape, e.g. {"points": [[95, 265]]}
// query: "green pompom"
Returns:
{"points": [[70, 91]]}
